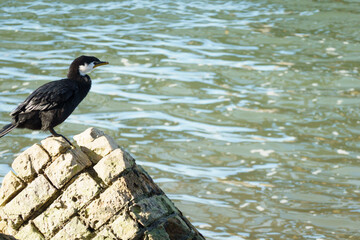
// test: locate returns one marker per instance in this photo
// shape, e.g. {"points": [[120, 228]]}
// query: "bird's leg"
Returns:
{"points": [[55, 134]]}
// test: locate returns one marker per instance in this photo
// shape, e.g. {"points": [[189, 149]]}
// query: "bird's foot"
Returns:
{"points": [[66, 140], [55, 134], [59, 135]]}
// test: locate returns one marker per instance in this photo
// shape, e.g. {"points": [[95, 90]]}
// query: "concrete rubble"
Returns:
{"points": [[92, 191]]}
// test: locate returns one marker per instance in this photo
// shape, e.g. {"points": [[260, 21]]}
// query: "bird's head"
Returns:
{"points": [[84, 65]]}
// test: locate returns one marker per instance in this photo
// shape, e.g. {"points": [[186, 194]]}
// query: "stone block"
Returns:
{"points": [[7, 227], [148, 210], [6, 237], [124, 226], [123, 190], [62, 195], [105, 234], [89, 135], [95, 143], [113, 164], [55, 145], [157, 233], [170, 205], [11, 185], [29, 200], [29, 232], [74, 229], [79, 193], [176, 228], [66, 166], [148, 184], [3, 226], [30, 162]]}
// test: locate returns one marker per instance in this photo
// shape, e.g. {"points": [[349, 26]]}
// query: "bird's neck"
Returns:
{"points": [[84, 83], [73, 73], [85, 79]]}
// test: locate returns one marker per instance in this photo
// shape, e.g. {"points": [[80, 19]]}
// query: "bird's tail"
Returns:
{"points": [[6, 129]]}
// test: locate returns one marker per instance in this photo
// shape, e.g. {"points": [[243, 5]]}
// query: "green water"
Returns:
{"points": [[246, 113]]}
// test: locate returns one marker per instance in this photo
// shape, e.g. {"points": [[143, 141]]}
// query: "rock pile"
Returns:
{"points": [[94, 191]]}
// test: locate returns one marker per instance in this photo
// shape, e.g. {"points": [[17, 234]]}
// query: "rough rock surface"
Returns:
{"points": [[94, 191]]}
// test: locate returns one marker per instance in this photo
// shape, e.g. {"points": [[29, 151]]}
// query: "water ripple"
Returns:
{"points": [[252, 104]]}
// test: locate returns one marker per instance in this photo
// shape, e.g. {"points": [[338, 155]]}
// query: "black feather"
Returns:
{"points": [[53, 102], [6, 129]]}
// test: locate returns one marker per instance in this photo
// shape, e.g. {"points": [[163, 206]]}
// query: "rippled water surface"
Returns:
{"points": [[246, 113]]}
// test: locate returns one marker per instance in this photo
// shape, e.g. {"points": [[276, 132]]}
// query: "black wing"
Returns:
{"points": [[48, 96]]}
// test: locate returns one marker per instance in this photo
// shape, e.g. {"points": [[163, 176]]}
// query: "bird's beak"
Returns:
{"points": [[99, 63]]}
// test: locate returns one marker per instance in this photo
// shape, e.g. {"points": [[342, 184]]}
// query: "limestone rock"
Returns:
{"points": [[29, 232], [74, 229], [29, 200], [109, 203], [6, 237], [105, 234], [95, 143], [55, 145], [82, 190], [30, 162], [113, 164], [156, 234], [177, 228], [88, 136], [149, 210], [96, 192], [125, 227], [66, 166], [11, 185]]}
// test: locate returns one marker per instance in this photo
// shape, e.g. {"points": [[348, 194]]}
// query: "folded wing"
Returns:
{"points": [[49, 96]]}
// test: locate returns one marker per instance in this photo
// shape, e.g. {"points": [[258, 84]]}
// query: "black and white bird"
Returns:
{"points": [[53, 102]]}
